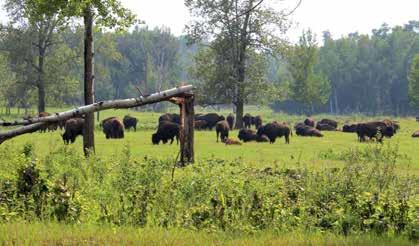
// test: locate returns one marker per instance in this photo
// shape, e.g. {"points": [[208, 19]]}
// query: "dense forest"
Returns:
{"points": [[358, 73]]}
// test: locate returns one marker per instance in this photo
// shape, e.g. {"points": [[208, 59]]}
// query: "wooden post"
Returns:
{"points": [[186, 135]]}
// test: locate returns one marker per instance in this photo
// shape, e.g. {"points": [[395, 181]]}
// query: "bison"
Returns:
{"points": [[274, 130], [222, 130], [166, 131], [309, 122], [230, 120], [307, 131], [325, 127], [211, 119], [73, 127], [257, 121], [247, 120], [247, 135], [229, 141], [329, 122], [130, 122], [113, 128], [175, 118], [374, 129], [349, 127], [200, 124]]}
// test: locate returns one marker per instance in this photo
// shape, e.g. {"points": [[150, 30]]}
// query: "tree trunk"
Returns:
{"points": [[41, 82], [187, 130], [88, 136], [239, 114]]}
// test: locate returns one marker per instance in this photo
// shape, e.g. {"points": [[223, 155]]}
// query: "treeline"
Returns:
{"points": [[362, 73], [367, 73], [141, 58]]}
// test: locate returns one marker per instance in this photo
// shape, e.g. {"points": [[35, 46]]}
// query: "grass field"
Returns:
{"points": [[324, 151], [110, 197]]}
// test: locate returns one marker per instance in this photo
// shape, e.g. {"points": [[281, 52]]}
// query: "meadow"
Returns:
{"points": [[330, 190]]}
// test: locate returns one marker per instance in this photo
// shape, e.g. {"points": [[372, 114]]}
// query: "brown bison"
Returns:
{"points": [[257, 121], [247, 120], [307, 131], [200, 124], [166, 131], [113, 128], [230, 120], [393, 124], [309, 122], [229, 141], [247, 135], [349, 127], [222, 130], [175, 118], [211, 119], [73, 127], [130, 122], [374, 129], [329, 122], [325, 127], [274, 130], [415, 134]]}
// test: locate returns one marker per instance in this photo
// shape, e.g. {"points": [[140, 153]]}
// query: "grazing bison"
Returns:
{"points": [[166, 131], [130, 122], [307, 131], [329, 122], [200, 124], [113, 128], [222, 130], [325, 127], [374, 129], [73, 127], [247, 120], [229, 141], [415, 134], [175, 118], [349, 127], [309, 122], [230, 120], [393, 124], [274, 130], [257, 121], [211, 119]]}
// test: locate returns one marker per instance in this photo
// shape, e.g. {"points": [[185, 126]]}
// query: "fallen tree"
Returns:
{"points": [[36, 123]]}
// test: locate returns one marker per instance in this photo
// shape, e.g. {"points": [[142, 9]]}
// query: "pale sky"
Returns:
{"points": [[340, 17]]}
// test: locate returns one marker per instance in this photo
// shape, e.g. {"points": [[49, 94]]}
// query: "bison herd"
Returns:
{"points": [[169, 125]]}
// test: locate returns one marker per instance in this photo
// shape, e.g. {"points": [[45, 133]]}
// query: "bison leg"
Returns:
{"points": [[287, 139], [217, 134]]}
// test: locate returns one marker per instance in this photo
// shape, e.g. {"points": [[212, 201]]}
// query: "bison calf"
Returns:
{"points": [[229, 141]]}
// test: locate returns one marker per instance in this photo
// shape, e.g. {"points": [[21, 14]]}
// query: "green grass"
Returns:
{"points": [[21, 233], [196, 185]]}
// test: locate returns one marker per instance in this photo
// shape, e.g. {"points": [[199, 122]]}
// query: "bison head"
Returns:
{"points": [[155, 138]]}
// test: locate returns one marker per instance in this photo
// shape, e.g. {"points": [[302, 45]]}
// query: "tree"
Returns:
{"points": [[414, 81], [239, 29], [41, 27], [107, 13], [309, 86]]}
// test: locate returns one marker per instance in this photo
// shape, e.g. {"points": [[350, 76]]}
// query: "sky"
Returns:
{"points": [[340, 17]]}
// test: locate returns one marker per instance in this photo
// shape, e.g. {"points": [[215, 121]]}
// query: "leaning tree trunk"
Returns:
{"points": [[89, 125]]}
